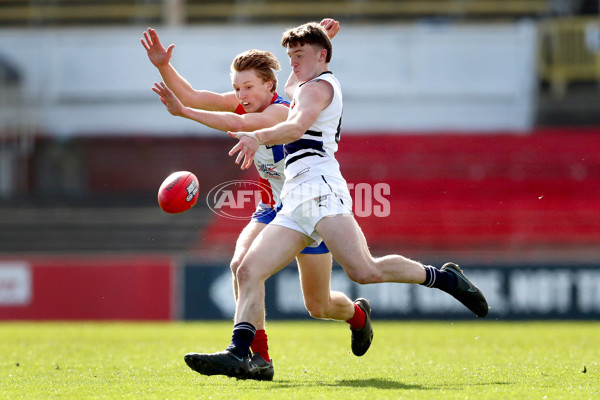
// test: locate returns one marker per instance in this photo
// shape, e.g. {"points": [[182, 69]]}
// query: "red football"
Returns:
{"points": [[179, 192]]}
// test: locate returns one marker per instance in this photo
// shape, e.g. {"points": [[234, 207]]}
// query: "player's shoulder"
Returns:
{"points": [[229, 102], [278, 107], [316, 89], [279, 104], [280, 100], [323, 80], [279, 111], [323, 77]]}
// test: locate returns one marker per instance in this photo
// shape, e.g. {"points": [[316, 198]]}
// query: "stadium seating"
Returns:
{"points": [[447, 192], [503, 192], [115, 209], [470, 192], [569, 52]]}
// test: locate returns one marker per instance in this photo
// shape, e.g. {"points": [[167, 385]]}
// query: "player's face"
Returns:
{"points": [[304, 60], [253, 94]]}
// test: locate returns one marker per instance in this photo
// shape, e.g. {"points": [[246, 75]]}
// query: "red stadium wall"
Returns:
{"points": [[500, 192], [482, 191], [447, 191], [87, 288]]}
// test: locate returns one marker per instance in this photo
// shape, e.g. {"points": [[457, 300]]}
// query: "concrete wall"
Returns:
{"points": [[394, 77]]}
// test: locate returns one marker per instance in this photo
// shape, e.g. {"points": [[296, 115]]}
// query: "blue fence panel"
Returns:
{"points": [[513, 292]]}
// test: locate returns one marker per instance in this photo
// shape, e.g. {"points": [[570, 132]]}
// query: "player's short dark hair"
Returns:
{"points": [[263, 62], [310, 33]]}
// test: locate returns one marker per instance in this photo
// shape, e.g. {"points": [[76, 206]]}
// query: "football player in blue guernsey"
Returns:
{"points": [[253, 104], [316, 207]]}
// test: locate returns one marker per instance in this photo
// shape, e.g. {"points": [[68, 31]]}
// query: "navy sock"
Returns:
{"points": [[436, 278], [241, 338]]}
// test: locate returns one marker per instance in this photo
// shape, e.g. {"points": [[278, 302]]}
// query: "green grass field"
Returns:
{"points": [[413, 360]]}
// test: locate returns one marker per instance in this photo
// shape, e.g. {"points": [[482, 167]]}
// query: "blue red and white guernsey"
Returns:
{"points": [[269, 163]]}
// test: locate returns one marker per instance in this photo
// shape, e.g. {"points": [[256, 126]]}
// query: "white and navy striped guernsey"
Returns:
{"points": [[313, 154]]}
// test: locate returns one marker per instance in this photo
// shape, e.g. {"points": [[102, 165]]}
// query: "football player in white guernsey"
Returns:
{"points": [[316, 206], [254, 104]]}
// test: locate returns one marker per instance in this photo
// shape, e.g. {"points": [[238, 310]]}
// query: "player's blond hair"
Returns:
{"points": [[264, 63], [310, 33]]}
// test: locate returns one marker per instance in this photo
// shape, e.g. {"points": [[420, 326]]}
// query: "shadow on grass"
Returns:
{"points": [[384, 384], [379, 384], [356, 383]]}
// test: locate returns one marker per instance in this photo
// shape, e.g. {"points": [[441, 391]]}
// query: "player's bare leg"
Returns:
{"points": [[244, 240], [261, 360], [271, 251], [243, 243], [348, 245], [262, 260], [315, 280], [260, 366], [323, 303]]}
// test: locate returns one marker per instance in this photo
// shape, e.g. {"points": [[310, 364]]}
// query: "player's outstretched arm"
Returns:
{"points": [[223, 121], [201, 99], [157, 54], [168, 98], [332, 27]]}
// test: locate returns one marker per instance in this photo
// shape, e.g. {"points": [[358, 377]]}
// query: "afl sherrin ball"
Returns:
{"points": [[178, 193]]}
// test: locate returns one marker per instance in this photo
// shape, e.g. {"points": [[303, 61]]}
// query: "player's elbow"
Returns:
{"points": [[187, 99], [296, 132], [290, 87]]}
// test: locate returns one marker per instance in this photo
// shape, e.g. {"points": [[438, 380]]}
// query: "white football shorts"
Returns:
{"points": [[306, 204]]}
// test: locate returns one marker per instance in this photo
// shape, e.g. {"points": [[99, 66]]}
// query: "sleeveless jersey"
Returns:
{"points": [[313, 154], [268, 160]]}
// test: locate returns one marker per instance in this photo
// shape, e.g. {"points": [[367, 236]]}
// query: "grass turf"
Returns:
{"points": [[419, 360]]}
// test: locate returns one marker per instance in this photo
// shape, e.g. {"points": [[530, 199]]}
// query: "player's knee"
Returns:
{"points": [[243, 274], [364, 276], [246, 275], [316, 309], [235, 265]]}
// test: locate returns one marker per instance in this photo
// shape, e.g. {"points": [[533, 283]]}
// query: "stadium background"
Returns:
{"points": [[482, 117]]}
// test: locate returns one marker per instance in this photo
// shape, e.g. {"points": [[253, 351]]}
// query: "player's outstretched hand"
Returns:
{"points": [[168, 98], [331, 26], [158, 55], [246, 148]]}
